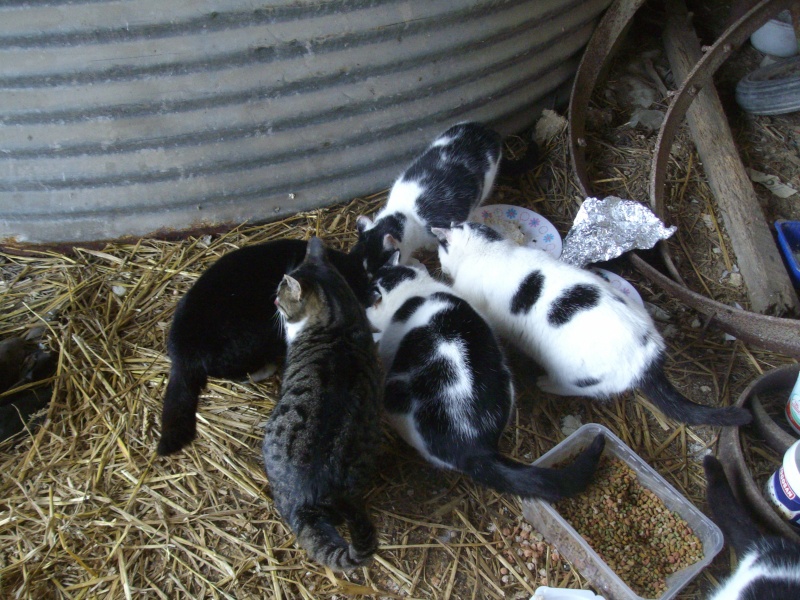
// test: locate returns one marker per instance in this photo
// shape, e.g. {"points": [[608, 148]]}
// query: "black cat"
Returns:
{"points": [[226, 326]]}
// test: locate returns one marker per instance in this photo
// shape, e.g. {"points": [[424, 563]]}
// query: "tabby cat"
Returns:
{"points": [[323, 436]]}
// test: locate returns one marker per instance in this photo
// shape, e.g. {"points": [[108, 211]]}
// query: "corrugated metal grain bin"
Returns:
{"points": [[123, 118]]}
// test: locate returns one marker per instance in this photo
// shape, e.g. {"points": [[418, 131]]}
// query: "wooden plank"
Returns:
{"points": [[769, 288]]}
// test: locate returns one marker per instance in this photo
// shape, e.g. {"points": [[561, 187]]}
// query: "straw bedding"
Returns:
{"points": [[87, 510]]}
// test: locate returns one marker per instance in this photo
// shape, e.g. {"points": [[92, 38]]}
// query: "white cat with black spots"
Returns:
{"points": [[448, 390], [589, 338], [451, 177], [769, 566]]}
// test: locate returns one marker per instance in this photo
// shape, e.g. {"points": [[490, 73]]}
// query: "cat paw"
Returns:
{"points": [[546, 384], [174, 440], [263, 373]]}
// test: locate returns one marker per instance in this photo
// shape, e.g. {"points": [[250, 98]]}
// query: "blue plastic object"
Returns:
{"points": [[789, 244]]}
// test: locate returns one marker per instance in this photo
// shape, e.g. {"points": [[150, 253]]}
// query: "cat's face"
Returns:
{"points": [[377, 241], [299, 296], [299, 302], [392, 284], [460, 242], [290, 299]]}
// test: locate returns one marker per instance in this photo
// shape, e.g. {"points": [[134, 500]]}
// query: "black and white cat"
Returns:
{"points": [[226, 326], [450, 178], [769, 566], [448, 390], [590, 340], [322, 440]]}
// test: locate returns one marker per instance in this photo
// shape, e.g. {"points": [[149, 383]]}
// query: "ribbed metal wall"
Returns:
{"points": [[128, 117]]}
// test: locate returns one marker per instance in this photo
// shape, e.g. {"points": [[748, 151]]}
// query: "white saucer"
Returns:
{"points": [[619, 284], [535, 229]]}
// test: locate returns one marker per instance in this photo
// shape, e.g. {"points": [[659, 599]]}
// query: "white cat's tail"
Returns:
{"points": [[315, 528], [655, 385], [511, 477]]}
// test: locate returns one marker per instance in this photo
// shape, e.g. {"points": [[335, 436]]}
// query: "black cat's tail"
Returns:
{"points": [[509, 476], [178, 422], [315, 528], [675, 405], [737, 526]]}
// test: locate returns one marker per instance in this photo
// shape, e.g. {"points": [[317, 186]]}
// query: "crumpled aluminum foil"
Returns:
{"points": [[604, 229]]}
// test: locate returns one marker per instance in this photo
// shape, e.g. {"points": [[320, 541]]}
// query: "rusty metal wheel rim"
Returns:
{"points": [[732, 456], [772, 333]]}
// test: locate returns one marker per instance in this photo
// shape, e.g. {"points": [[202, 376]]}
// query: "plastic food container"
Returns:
{"points": [[574, 548], [789, 245], [548, 593]]}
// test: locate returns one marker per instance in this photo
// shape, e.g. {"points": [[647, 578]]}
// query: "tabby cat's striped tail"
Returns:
{"points": [[315, 528]]}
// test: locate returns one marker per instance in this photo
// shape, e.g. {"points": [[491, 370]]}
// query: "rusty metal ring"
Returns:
{"points": [[732, 456], [773, 333]]}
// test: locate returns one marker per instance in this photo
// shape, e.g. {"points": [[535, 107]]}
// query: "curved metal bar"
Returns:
{"points": [[602, 45], [699, 76], [772, 333]]}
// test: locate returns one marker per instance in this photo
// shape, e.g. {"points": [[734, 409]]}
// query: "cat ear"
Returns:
{"points": [[363, 223], [394, 259], [315, 249], [375, 296], [442, 234], [295, 291], [390, 243]]}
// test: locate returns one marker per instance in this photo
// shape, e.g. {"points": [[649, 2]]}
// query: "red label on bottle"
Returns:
{"points": [[787, 489]]}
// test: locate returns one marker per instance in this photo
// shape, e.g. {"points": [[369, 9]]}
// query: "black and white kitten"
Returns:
{"points": [[450, 178], [226, 326], [323, 437], [769, 566], [448, 390], [590, 340]]}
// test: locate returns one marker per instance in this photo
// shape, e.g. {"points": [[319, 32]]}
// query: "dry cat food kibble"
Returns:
{"points": [[631, 529], [507, 227]]}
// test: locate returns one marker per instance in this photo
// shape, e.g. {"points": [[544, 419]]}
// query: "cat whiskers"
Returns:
{"points": [[281, 322]]}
